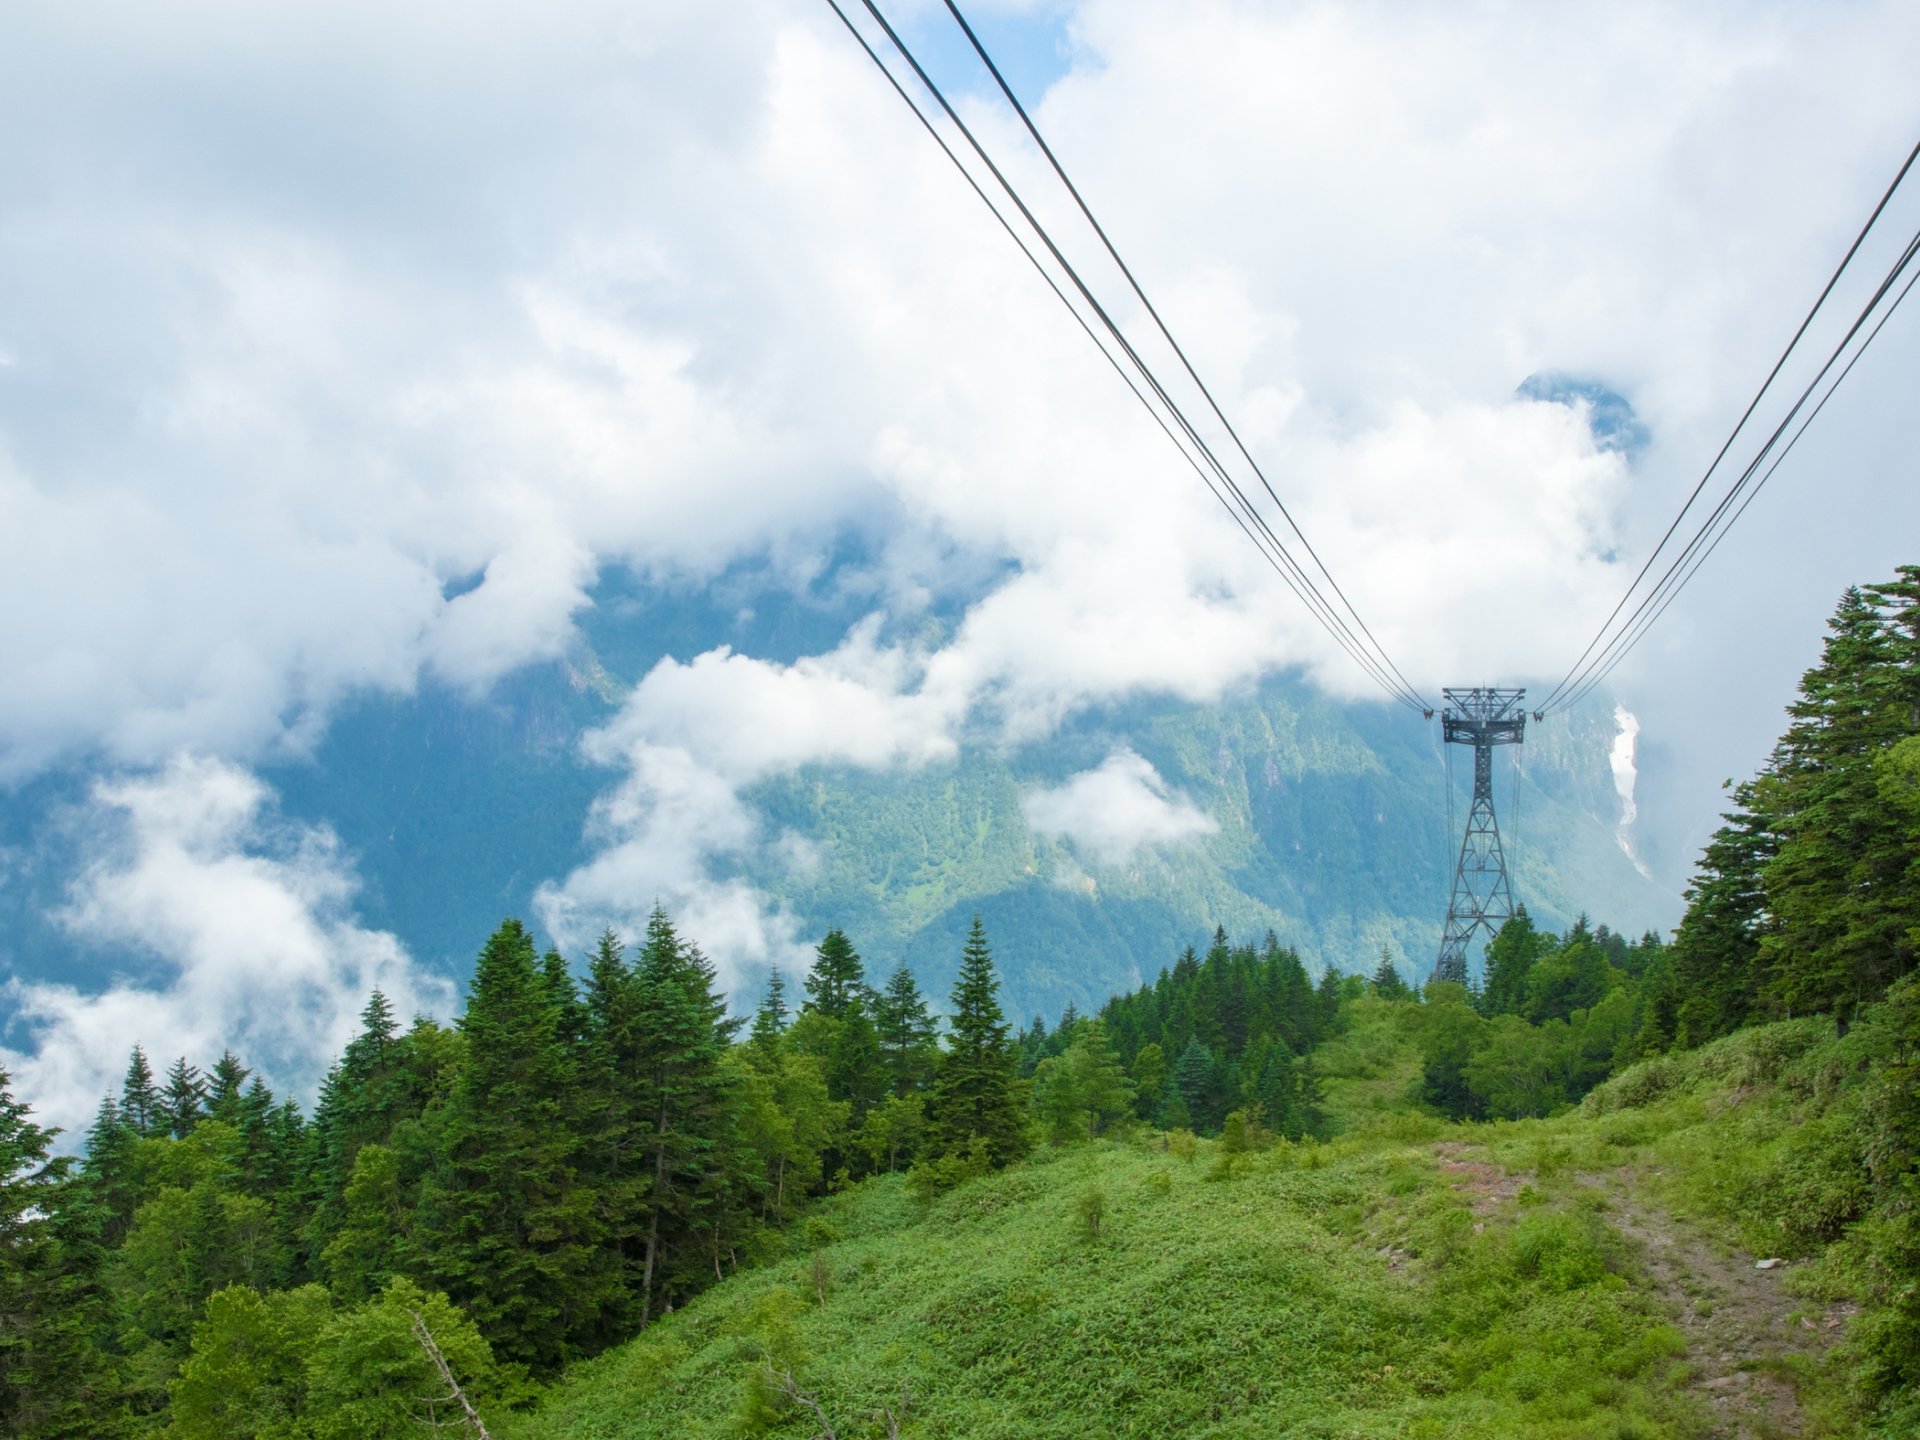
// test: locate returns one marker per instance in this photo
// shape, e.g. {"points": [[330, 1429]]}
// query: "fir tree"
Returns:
{"points": [[54, 1379], [111, 1167], [1031, 1043], [681, 1102], [363, 1097], [976, 1091], [565, 996], [856, 1070], [183, 1100], [837, 979], [1510, 959], [140, 1101], [261, 1169], [226, 1088], [507, 1227], [770, 1020], [1196, 1077], [1387, 983], [1841, 885], [1328, 996], [1716, 951], [615, 1132], [908, 1043]]}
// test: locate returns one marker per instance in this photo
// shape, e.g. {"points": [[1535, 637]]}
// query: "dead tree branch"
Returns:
{"points": [[454, 1392], [784, 1382], [891, 1418]]}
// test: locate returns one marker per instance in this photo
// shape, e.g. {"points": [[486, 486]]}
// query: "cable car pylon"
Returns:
{"points": [[1482, 898]]}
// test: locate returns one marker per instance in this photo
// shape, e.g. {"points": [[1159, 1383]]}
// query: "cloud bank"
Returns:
{"points": [[242, 928], [346, 348], [607, 289]]}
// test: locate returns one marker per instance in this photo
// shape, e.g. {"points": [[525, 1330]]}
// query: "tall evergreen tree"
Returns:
{"points": [[856, 1069], [140, 1103], [616, 1132], [184, 1098], [55, 1381], [112, 1170], [226, 1088], [572, 1015], [1839, 884], [837, 978], [908, 1034], [364, 1096], [1511, 955], [976, 1090], [1716, 950], [681, 1092], [507, 1227], [770, 1020], [1196, 1077]]}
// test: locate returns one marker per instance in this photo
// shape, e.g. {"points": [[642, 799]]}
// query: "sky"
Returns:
{"points": [[346, 350]]}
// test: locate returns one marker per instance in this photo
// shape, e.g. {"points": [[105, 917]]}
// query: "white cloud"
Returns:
{"points": [[663, 831], [245, 925], [312, 310], [689, 737], [1114, 810], [745, 718], [626, 288]]}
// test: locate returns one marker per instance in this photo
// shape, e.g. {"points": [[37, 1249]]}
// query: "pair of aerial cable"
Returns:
{"points": [[1624, 628], [1340, 619]]}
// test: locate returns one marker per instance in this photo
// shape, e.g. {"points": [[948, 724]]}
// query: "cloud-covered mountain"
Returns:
{"points": [[486, 459]]}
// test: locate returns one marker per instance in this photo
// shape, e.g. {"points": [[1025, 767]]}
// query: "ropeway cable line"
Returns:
{"points": [[1060, 295], [1627, 642], [1186, 364], [1362, 646], [1616, 636], [1269, 542], [1484, 717]]}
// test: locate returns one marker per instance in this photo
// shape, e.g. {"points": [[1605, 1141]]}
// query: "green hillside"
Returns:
{"points": [[1590, 1275], [1614, 1187], [1333, 833]]}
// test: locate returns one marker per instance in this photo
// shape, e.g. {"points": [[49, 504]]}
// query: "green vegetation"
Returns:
{"points": [[1234, 1202], [1413, 1276], [1317, 1290], [1332, 833]]}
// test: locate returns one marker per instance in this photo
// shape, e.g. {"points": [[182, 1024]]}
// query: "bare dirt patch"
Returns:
{"points": [[1485, 1184]]}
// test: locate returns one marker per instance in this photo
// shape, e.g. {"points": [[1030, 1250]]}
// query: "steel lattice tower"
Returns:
{"points": [[1482, 897]]}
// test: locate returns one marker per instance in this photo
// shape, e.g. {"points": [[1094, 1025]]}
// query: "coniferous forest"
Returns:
{"points": [[471, 1211]]}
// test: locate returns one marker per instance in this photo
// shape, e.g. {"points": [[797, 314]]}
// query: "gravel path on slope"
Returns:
{"points": [[1742, 1327]]}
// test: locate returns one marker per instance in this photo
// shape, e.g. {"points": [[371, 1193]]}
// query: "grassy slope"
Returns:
{"points": [[1409, 1279]]}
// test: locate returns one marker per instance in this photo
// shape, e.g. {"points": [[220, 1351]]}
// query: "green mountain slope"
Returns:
{"points": [[1333, 831], [1576, 1277]]}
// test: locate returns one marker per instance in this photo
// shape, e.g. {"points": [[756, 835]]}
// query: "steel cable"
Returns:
{"points": [[1272, 548], [1569, 680]]}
